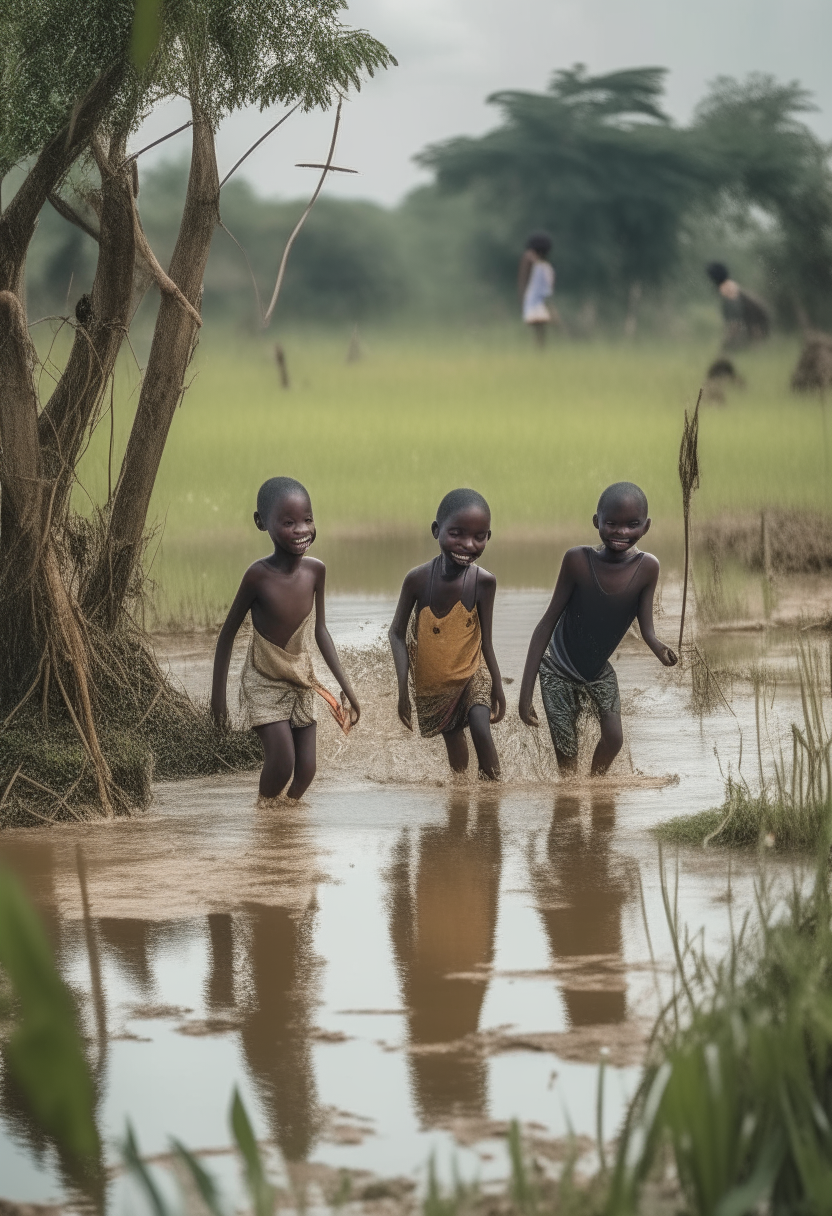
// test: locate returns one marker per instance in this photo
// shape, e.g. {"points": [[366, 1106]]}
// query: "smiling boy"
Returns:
{"points": [[278, 682], [448, 654], [599, 593]]}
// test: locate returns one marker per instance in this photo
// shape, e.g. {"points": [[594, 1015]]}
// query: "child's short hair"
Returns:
{"points": [[540, 242], [717, 272], [273, 490], [617, 493], [458, 500]]}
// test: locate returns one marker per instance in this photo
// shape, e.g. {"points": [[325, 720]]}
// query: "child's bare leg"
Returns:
{"points": [[305, 760], [567, 765], [609, 745], [479, 724], [457, 746], [278, 757]]}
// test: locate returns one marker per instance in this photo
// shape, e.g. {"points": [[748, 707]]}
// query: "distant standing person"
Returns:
{"points": [[536, 284], [746, 318]]}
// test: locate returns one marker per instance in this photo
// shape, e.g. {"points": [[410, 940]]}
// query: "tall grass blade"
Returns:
{"points": [[205, 1185], [138, 1170], [262, 1194], [45, 1054]]}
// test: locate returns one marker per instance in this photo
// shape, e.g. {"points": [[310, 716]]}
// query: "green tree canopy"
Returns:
{"points": [[220, 54], [597, 162], [765, 156]]}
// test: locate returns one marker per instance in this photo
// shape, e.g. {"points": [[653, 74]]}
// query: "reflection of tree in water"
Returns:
{"points": [[276, 966], [443, 912], [580, 891]]}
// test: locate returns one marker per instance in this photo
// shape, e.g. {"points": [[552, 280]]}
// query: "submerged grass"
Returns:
{"points": [[791, 808]]}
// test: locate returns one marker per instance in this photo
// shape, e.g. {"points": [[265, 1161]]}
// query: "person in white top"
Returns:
{"points": [[536, 283]]}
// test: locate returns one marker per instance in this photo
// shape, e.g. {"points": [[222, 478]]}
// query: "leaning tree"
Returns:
{"points": [[79, 688]]}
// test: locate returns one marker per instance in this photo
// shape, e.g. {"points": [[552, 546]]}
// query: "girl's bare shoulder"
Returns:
{"points": [[418, 576]]}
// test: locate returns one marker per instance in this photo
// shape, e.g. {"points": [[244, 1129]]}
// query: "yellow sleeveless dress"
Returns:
{"points": [[447, 671]]}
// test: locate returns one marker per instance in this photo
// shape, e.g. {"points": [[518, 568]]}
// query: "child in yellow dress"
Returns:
{"points": [[447, 652]]}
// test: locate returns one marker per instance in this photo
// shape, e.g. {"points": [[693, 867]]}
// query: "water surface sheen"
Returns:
{"points": [[392, 969]]}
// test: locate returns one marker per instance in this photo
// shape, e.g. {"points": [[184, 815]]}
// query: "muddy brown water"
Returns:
{"points": [[402, 964]]}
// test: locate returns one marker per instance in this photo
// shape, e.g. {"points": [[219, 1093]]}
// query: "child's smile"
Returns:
{"points": [[299, 544]]}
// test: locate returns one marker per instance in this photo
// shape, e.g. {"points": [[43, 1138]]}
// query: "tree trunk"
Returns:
{"points": [[72, 407], [171, 351], [22, 495]]}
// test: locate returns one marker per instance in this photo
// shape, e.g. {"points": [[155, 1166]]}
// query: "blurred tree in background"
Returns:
{"points": [[636, 206], [596, 162], [767, 160]]}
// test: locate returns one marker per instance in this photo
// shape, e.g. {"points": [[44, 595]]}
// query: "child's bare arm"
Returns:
{"points": [[222, 655], [485, 608], [540, 639], [398, 643], [645, 619], [327, 646]]}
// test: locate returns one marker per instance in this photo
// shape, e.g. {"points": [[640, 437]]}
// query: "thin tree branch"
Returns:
{"points": [[258, 143], [332, 168], [302, 219], [164, 282], [70, 214], [250, 271], [161, 140]]}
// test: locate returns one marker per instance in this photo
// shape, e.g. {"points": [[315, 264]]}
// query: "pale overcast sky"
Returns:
{"points": [[453, 53]]}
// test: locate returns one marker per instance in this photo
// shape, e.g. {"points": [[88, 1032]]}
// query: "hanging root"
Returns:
{"points": [[97, 720]]}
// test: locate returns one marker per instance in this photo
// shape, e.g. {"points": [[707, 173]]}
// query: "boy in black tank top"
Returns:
{"points": [[598, 595]]}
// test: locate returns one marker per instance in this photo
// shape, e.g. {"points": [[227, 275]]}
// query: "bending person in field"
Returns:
{"points": [[278, 684], [746, 318], [447, 653], [599, 593], [536, 285]]}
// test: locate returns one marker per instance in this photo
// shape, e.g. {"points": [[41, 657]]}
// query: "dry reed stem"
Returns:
{"points": [[303, 218], [689, 479]]}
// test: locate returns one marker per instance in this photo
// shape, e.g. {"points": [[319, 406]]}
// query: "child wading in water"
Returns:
{"points": [[598, 595], [278, 682], [448, 653]]}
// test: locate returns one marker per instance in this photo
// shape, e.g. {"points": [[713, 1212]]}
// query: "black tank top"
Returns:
{"points": [[593, 622]]}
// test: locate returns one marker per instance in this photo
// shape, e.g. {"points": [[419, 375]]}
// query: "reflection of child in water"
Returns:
{"points": [[536, 284], [598, 595]]}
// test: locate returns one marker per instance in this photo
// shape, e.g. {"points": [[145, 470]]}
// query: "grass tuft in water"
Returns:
{"points": [[738, 1089], [792, 806]]}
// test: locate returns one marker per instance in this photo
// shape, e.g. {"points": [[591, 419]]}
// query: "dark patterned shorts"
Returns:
{"points": [[563, 700]]}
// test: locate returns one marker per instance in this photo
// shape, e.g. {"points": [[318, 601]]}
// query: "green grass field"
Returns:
{"points": [[379, 441]]}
